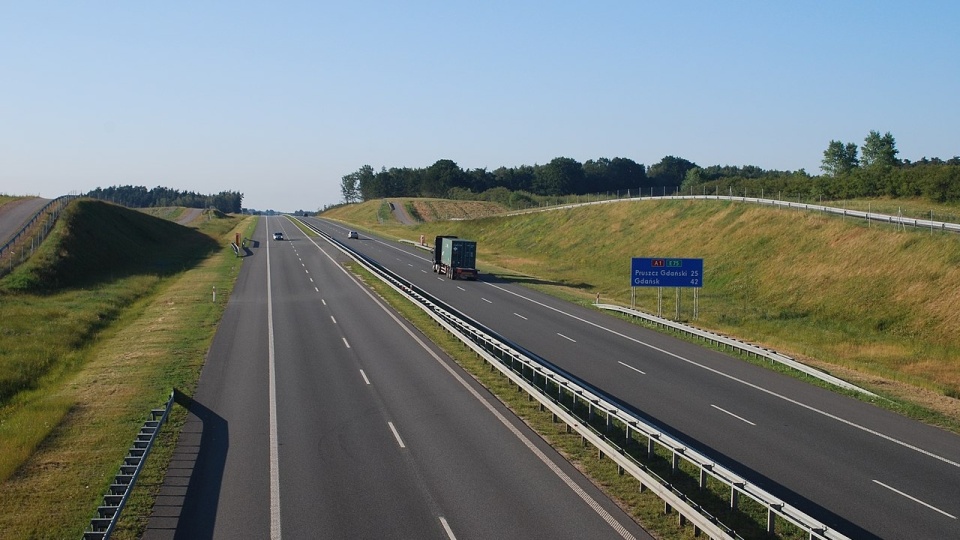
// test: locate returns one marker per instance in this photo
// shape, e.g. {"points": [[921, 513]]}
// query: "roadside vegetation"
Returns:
{"points": [[111, 314], [867, 302]]}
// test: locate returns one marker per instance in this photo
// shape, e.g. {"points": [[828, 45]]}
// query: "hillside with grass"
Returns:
{"points": [[870, 303], [110, 314]]}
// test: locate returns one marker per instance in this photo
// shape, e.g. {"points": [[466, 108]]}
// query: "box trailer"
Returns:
{"points": [[455, 257]]}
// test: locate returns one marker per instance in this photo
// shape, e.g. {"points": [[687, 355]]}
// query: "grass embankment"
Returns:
{"points": [[644, 506], [112, 313], [872, 304]]}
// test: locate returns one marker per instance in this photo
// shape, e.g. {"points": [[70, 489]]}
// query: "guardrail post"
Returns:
{"points": [[735, 495]]}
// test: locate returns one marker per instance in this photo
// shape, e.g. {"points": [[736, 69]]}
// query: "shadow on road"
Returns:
{"points": [[187, 504], [530, 280]]}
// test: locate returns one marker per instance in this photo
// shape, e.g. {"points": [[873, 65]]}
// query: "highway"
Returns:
{"points": [[861, 470], [321, 414]]}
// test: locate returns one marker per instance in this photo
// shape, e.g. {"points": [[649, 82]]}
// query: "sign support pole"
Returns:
{"points": [[678, 304]]}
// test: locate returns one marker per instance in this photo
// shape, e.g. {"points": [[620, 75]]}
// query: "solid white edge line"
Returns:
{"points": [[810, 408], [631, 367], [584, 496], [364, 375], [914, 499], [447, 529], [742, 419], [396, 434], [274, 441]]}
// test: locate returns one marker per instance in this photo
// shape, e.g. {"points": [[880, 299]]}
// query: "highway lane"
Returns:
{"points": [[865, 471], [377, 434]]}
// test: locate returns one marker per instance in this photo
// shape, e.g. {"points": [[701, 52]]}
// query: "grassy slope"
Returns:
{"points": [[873, 300], [131, 320]]}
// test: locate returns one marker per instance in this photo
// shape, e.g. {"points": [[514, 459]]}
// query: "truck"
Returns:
{"points": [[455, 257]]}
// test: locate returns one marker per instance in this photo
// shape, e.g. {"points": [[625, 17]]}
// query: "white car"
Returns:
{"points": [[278, 236], [353, 234]]}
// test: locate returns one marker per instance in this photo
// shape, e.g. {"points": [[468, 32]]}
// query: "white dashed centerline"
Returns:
{"points": [[631, 367], [914, 499], [364, 375], [332, 319], [742, 419], [521, 316], [485, 300], [396, 434], [565, 337], [345, 343]]}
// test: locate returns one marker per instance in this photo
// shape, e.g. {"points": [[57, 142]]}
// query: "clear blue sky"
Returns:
{"points": [[279, 100]]}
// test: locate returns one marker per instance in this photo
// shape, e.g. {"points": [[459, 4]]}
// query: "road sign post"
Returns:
{"points": [[662, 272]]}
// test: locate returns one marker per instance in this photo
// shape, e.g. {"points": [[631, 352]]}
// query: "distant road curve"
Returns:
{"points": [[400, 213], [15, 214], [189, 215]]}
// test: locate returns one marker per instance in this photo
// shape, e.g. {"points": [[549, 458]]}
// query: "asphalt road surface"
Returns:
{"points": [[861, 470], [15, 214], [321, 414]]}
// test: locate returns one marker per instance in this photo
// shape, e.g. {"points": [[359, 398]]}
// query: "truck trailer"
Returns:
{"points": [[454, 257]]}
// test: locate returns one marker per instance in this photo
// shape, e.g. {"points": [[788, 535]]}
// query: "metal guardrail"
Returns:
{"points": [[870, 217], [552, 387], [101, 526], [736, 344], [53, 208]]}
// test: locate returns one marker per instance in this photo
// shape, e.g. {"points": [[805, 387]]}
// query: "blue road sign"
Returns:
{"points": [[664, 272]]}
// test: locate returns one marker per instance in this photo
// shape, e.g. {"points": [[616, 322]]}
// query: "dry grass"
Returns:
{"points": [[158, 344], [874, 301]]}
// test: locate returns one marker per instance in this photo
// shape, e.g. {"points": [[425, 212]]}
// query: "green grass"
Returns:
{"points": [[644, 506], [862, 302], [114, 343]]}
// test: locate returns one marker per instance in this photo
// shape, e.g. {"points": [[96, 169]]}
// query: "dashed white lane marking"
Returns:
{"points": [[447, 529], [485, 300], [633, 368], [333, 319], [365, 379], [346, 343], [396, 434], [565, 337], [914, 499], [742, 419], [521, 316]]}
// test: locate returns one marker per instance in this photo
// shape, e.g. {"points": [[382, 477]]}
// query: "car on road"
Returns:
{"points": [[353, 234], [278, 236]]}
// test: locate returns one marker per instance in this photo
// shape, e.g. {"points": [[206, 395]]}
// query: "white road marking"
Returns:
{"points": [[317, 289], [447, 529], [274, 440], [365, 379], [397, 435], [311, 280], [565, 337], [332, 319], [914, 499], [461, 288], [324, 302], [521, 316], [307, 271], [741, 381], [590, 501], [485, 300], [631, 367], [345, 342], [742, 419]]}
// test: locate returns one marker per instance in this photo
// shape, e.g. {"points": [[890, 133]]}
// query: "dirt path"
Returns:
{"points": [[188, 215], [400, 213]]}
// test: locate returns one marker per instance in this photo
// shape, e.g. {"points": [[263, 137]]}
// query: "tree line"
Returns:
{"points": [[228, 202], [848, 171]]}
